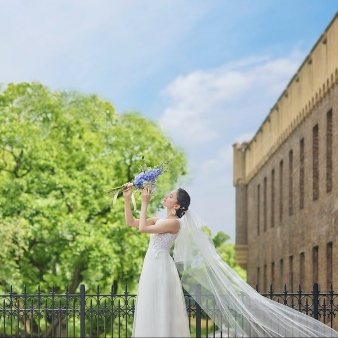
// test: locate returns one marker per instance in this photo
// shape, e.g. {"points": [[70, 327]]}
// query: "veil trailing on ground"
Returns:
{"points": [[231, 303]]}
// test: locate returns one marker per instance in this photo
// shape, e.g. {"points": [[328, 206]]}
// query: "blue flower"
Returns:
{"points": [[147, 176]]}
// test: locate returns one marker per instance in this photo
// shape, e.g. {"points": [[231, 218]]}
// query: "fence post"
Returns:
{"points": [[82, 310], [315, 300], [198, 310]]}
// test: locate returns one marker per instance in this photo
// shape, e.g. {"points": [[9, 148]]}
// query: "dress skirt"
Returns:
{"points": [[160, 305]]}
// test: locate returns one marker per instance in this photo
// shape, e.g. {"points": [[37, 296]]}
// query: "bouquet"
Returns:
{"points": [[145, 179]]}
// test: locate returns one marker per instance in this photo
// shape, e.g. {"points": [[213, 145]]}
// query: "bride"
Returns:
{"points": [[160, 305], [232, 304]]}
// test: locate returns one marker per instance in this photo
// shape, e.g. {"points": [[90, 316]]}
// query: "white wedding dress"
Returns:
{"points": [[160, 305]]}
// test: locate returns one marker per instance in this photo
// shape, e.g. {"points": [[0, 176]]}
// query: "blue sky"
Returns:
{"points": [[207, 72]]}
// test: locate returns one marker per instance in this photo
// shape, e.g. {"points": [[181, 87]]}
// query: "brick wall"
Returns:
{"points": [[295, 219]]}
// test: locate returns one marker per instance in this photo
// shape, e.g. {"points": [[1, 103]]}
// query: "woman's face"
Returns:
{"points": [[170, 200]]}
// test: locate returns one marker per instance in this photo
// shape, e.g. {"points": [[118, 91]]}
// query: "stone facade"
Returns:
{"points": [[286, 181]]}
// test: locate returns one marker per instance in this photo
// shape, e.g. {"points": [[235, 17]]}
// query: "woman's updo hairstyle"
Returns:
{"points": [[183, 199]]}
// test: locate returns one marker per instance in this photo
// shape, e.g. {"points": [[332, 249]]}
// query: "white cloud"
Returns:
{"points": [[221, 161], [197, 100], [187, 126]]}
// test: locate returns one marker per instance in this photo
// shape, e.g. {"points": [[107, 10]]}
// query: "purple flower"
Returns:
{"points": [[147, 176]]}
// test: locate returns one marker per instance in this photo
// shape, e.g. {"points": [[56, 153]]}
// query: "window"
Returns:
{"points": [[273, 274], [281, 191], [272, 198], [329, 265], [291, 273], [258, 277], [329, 151], [281, 273], [315, 162], [265, 279], [264, 204], [302, 269], [315, 264], [258, 205], [290, 182], [301, 174]]}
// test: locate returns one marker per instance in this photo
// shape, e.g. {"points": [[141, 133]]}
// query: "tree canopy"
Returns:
{"points": [[59, 154]]}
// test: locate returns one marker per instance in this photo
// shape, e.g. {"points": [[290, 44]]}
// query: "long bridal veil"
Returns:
{"points": [[229, 301]]}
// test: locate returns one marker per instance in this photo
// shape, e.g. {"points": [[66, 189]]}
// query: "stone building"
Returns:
{"points": [[286, 181]]}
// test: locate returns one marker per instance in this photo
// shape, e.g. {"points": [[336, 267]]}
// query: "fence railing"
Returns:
{"points": [[111, 314], [319, 305]]}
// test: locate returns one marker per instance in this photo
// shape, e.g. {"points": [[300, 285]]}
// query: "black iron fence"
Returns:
{"points": [[111, 314], [319, 305]]}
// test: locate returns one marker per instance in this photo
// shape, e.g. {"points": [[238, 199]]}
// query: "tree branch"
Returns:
{"points": [[69, 206], [35, 242], [100, 213], [17, 159]]}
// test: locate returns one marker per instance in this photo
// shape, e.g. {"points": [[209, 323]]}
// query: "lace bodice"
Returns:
{"points": [[161, 242]]}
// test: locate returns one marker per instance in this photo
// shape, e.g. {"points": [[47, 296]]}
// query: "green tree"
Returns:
{"points": [[227, 252], [59, 154]]}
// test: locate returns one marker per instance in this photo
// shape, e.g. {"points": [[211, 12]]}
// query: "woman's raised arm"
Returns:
{"points": [[130, 220]]}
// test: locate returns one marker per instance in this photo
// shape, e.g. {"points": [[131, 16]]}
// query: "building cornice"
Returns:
{"points": [[288, 131], [315, 78]]}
